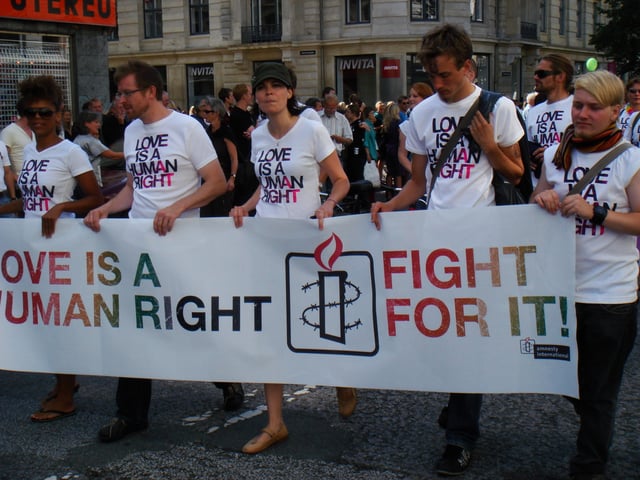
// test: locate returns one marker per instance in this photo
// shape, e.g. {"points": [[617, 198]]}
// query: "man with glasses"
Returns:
{"points": [[155, 137], [404, 104], [546, 121]]}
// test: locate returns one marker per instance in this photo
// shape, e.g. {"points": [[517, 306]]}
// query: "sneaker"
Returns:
{"points": [[233, 396], [117, 429], [454, 461]]}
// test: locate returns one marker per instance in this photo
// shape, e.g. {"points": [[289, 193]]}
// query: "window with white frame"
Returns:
{"points": [[152, 18], [358, 11], [424, 10], [199, 17], [477, 10]]}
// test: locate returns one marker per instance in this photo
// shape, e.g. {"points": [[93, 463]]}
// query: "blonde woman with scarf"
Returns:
{"points": [[607, 216]]}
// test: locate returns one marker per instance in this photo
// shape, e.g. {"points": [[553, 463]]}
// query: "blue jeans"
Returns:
{"points": [[605, 336]]}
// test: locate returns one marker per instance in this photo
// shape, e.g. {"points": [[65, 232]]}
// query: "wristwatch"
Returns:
{"points": [[599, 214]]}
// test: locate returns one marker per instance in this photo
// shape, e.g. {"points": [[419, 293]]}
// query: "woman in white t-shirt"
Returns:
{"points": [[607, 215], [288, 188], [52, 169]]}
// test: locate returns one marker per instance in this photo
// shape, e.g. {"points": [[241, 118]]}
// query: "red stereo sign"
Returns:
{"points": [[390, 68], [85, 12]]}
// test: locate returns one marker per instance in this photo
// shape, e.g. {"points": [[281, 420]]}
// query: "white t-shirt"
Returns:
{"points": [[47, 178], [288, 168], [164, 158], [16, 139], [606, 261], [633, 134], [93, 147], [546, 122], [4, 162], [337, 125], [465, 179], [624, 118]]}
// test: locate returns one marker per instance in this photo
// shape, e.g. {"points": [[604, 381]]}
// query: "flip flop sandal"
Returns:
{"points": [[57, 415]]}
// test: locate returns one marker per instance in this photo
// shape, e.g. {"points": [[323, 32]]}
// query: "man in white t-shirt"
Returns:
{"points": [[446, 55], [7, 179], [546, 121], [187, 176], [16, 136]]}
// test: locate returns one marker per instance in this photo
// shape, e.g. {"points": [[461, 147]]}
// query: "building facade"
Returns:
{"points": [[67, 42], [363, 46]]}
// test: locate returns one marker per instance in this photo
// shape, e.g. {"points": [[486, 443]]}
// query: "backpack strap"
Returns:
{"points": [[598, 167], [446, 150]]}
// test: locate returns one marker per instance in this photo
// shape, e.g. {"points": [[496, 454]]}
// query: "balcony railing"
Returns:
{"points": [[529, 30], [262, 33]]}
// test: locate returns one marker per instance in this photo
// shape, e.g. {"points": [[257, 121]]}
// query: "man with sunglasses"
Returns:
{"points": [[546, 121], [155, 137]]}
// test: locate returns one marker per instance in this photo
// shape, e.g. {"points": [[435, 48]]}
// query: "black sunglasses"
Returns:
{"points": [[545, 73], [42, 112]]}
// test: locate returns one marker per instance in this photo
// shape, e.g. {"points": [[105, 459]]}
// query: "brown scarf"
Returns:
{"points": [[599, 143]]}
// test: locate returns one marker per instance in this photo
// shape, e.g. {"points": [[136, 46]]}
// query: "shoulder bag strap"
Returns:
{"points": [[446, 150], [597, 168]]}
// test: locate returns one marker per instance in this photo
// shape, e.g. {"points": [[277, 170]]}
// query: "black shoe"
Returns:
{"points": [[117, 429], [454, 461], [233, 396]]}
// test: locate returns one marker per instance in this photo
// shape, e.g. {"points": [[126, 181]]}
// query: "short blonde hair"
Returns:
{"points": [[604, 86]]}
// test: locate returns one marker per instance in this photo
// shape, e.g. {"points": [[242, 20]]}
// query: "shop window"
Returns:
{"points": [[477, 10], [358, 11], [199, 82], [482, 64], [415, 71], [424, 10], [356, 75], [152, 18], [199, 16]]}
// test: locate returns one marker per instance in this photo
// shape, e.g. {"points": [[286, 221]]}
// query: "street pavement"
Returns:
{"points": [[392, 435]]}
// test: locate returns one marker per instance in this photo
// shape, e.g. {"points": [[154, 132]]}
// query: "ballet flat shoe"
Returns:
{"points": [[255, 445]]}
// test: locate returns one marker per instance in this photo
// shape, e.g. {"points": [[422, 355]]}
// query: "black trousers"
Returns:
{"points": [[133, 398], [605, 336]]}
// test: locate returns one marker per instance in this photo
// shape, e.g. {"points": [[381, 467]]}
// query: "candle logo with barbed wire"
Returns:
{"points": [[331, 301]]}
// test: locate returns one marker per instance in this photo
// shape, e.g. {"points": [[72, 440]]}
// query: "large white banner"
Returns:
{"points": [[477, 300]]}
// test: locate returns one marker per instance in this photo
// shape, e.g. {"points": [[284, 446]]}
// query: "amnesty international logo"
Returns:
{"points": [[331, 301]]}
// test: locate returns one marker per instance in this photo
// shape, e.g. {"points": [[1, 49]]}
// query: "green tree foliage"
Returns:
{"points": [[619, 39]]}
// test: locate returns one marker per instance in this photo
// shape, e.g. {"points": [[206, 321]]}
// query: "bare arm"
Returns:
{"points": [[233, 155], [213, 185], [506, 160], [331, 166], [403, 154], [91, 199], [410, 193], [122, 201]]}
